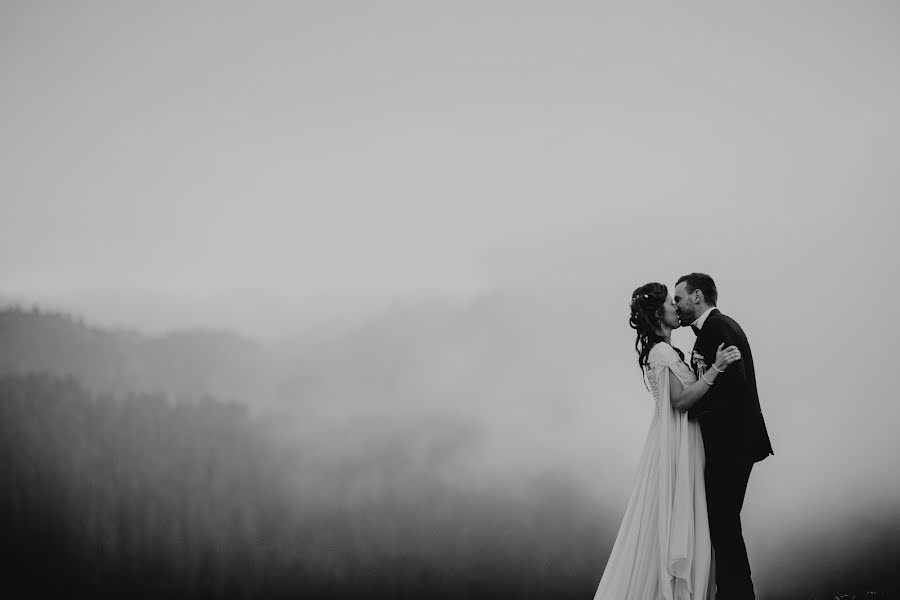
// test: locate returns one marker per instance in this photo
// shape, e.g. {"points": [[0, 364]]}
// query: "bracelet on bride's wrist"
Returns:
{"points": [[718, 369], [703, 377]]}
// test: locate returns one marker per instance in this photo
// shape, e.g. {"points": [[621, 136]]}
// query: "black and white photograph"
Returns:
{"points": [[449, 300]]}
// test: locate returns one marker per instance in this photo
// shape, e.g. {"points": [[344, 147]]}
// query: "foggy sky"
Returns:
{"points": [[309, 150], [263, 167]]}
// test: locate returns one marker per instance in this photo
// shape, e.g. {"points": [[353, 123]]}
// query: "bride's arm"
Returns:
{"points": [[683, 398]]}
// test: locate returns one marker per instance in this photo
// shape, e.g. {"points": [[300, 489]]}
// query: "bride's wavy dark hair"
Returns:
{"points": [[647, 306]]}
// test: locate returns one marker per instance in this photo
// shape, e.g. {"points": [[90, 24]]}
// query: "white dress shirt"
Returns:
{"points": [[702, 318]]}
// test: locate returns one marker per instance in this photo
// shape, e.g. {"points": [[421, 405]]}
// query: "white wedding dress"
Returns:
{"points": [[663, 550]]}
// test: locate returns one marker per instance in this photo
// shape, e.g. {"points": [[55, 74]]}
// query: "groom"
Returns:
{"points": [[734, 432]]}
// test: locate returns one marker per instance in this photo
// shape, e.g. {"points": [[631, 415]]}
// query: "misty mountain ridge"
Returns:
{"points": [[427, 354], [493, 367], [116, 361]]}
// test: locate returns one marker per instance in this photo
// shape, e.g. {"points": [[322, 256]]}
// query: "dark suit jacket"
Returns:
{"points": [[729, 413]]}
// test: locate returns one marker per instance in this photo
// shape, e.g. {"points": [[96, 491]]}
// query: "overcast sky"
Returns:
{"points": [[191, 151]]}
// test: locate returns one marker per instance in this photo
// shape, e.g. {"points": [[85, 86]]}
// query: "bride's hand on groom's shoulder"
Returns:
{"points": [[726, 356]]}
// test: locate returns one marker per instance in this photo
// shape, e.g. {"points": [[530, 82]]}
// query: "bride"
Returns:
{"points": [[663, 548]]}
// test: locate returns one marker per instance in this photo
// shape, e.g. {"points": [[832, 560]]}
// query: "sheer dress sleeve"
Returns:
{"points": [[676, 479]]}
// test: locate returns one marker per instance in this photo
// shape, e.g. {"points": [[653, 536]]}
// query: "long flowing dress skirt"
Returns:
{"points": [[663, 550]]}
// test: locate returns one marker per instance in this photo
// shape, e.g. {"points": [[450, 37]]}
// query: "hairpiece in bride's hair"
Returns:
{"points": [[644, 296]]}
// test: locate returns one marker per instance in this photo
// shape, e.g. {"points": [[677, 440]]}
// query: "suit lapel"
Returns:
{"points": [[700, 345]]}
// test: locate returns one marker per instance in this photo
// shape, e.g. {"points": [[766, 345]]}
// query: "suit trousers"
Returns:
{"points": [[726, 485]]}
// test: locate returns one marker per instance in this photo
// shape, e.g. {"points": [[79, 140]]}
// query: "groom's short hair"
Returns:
{"points": [[702, 282]]}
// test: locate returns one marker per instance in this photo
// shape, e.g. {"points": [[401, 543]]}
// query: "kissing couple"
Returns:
{"points": [[681, 536]]}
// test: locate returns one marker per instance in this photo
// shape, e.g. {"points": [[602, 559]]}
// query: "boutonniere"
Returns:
{"points": [[698, 362]]}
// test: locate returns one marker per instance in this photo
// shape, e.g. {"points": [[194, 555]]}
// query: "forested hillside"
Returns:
{"points": [[139, 496]]}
